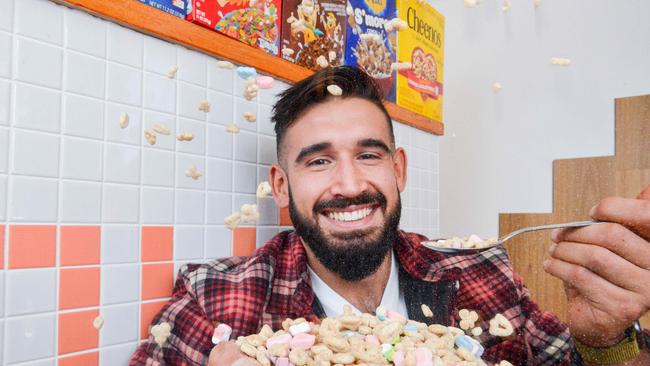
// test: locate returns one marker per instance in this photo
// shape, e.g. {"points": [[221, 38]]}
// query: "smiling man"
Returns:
{"points": [[341, 175]]}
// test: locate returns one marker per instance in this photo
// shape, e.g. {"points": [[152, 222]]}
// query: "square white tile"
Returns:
{"points": [[266, 150], [270, 96], [263, 234], [132, 133], [120, 203], [117, 355], [85, 74], [122, 163], [219, 142], [198, 130], [192, 66], [219, 78], [246, 147], [222, 109], [120, 324], [242, 106], [120, 244], [4, 149], [219, 175], [219, 207], [189, 207], [124, 45], [3, 197], [188, 242], [46, 116], [167, 142], [6, 52], [189, 98], [33, 199], [5, 102], [81, 202], [83, 117], [245, 177], [6, 17], [218, 242], [269, 212], [82, 159], [32, 337], [31, 291], [158, 168], [85, 33], [157, 205], [120, 283], [35, 153], [42, 20], [264, 124], [159, 93], [124, 84], [184, 162], [159, 55]]}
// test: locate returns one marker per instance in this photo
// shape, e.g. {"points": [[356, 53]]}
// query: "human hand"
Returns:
{"points": [[605, 269], [228, 354]]}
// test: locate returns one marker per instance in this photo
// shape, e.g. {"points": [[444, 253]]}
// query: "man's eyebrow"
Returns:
{"points": [[370, 142], [311, 149]]}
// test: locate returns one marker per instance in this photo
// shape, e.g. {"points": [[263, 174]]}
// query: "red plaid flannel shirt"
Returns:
{"points": [[273, 284]]}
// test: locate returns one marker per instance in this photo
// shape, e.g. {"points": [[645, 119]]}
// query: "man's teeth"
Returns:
{"points": [[350, 216]]}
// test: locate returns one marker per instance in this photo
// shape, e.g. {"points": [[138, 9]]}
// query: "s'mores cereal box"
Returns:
{"points": [[254, 22], [313, 32], [173, 7], [371, 40], [420, 65]]}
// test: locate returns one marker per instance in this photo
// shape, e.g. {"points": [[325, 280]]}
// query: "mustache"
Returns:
{"points": [[362, 199]]}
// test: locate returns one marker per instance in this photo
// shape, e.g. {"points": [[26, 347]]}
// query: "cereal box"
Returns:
{"points": [[313, 32], [368, 44], [174, 7], [254, 22], [419, 85]]}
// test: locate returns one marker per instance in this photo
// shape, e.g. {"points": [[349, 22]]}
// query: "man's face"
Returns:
{"points": [[341, 179]]}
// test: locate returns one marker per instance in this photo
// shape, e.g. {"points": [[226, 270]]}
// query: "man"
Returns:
{"points": [[341, 177]]}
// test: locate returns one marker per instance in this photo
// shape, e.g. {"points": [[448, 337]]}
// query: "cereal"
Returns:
{"points": [[232, 128], [263, 190], [334, 90], [161, 332], [507, 5], [504, 363], [221, 333], [537, 3], [232, 221], [245, 72], [160, 129], [395, 24], [124, 120], [473, 242], [398, 66], [193, 173], [185, 136], [249, 213], [476, 331], [225, 65], [250, 117], [171, 72], [286, 52], [500, 326], [560, 61], [204, 106], [471, 3], [264, 82], [251, 89], [322, 61], [150, 136], [98, 322]]}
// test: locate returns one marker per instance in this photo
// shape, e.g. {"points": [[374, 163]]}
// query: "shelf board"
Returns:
{"points": [[143, 18]]}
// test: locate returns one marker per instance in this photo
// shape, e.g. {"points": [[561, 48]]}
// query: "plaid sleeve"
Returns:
{"points": [[191, 331]]}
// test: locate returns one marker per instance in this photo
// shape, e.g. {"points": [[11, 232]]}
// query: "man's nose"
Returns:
{"points": [[348, 180]]}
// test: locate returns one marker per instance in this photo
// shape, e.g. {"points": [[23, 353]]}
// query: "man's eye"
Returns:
{"points": [[318, 162], [367, 156]]}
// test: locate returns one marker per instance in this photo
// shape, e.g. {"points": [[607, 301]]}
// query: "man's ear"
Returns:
{"points": [[399, 165], [279, 182]]}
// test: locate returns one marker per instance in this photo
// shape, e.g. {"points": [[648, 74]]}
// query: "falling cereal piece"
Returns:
{"points": [[249, 213], [150, 136], [98, 323], [471, 3], [171, 72], [225, 65], [263, 190], [232, 128], [370, 37], [232, 221], [348, 10], [560, 61], [395, 24], [264, 82], [250, 117], [193, 173], [322, 61], [496, 87], [332, 56], [245, 72], [204, 106], [426, 310], [476, 331], [221, 333], [537, 3], [160, 129], [185, 136], [124, 120], [335, 90], [161, 332], [399, 66], [500, 326], [507, 5]]}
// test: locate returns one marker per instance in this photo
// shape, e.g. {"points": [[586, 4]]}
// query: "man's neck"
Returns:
{"points": [[365, 294]]}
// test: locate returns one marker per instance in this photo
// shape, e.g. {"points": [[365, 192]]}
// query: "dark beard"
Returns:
{"points": [[360, 255]]}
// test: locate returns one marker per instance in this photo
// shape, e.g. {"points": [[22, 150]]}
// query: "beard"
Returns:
{"points": [[352, 255]]}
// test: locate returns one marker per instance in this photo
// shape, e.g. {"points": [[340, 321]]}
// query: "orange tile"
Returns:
{"points": [[157, 280], [32, 246], [148, 311], [285, 219], [2, 246], [243, 241], [76, 331], [78, 287], [79, 245], [157, 243], [85, 359]]}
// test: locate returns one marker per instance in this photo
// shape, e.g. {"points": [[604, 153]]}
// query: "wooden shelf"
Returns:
{"points": [[142, 18]]}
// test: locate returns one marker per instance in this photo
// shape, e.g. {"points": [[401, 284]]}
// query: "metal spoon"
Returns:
{"points": [[431, 244]]}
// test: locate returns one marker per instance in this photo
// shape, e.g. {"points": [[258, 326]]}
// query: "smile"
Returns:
{"points": [[350, 215]]}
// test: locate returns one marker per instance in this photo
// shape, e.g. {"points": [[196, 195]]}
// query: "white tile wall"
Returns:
{"points": [[65, 79]]}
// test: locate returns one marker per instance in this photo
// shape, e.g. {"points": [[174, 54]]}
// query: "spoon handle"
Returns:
{"points": [[547, 227]]}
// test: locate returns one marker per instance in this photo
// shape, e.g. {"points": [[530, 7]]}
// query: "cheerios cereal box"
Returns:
{"points": [[313, 32], [254, 22], [368, 43], [173, 7], [419, 88]]}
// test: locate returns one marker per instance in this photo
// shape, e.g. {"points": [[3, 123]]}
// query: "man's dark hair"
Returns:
{"points": [[296, 100]]}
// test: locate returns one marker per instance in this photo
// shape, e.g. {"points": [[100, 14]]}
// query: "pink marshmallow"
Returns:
{"points": [[394, 315], [285, 338], [372, 339], [423, 357], [303, 341], [264, 82], [282, 361], [221, 333], [398, 358]]}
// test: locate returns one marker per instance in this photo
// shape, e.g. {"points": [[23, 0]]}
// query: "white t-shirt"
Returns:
{"points": [[332, 302]]}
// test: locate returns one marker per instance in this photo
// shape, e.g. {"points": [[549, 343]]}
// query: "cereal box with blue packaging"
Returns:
{"points": [[173, 7], [368, 43]]}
